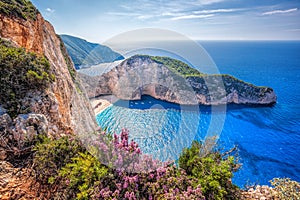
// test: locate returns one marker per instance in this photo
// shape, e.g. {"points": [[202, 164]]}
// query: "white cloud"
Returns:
{"points": [[280, 11], [192, 17], [170, 14], [216, 11], [50, 10], [166, 9], [144, 17], [207, 2], [122, 14]]}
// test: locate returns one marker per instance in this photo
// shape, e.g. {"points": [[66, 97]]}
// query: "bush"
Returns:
{"points": [[286, 188], [51, 155], [133, 175], [177, 66], [123, 172], [76, 173], [212, 171], [18, 8], [82, 173], [21, 73]]}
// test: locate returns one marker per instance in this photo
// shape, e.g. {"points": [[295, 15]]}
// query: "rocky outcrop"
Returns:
{"points": [[142, 75], [18, 134], [260, 193], [64, 104]]}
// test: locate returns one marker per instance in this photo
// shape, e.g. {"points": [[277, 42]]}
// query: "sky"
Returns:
{"points": [[99, 20]]}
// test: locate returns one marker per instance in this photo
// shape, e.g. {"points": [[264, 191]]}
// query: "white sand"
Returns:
{"points": [[99, 105]]}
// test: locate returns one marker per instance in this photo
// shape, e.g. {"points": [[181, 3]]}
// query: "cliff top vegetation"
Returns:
{"points": [[21, 72], [18, 8]]}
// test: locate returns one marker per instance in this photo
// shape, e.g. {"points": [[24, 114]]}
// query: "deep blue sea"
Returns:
{"points": [[268, 138]]}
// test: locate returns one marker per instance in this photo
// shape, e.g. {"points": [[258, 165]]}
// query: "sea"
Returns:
{"points": [[267, 138]]}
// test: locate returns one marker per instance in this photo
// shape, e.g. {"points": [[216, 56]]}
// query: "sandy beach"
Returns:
{"points": [[99, 105]]}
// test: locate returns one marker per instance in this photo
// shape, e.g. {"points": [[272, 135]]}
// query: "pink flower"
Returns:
{"points": [[151, 176], [132, 196], [125, 185], [127, 195], [138, 151]]}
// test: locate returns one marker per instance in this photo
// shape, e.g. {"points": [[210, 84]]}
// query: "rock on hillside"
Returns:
{"points": [[64, 104], [173, 81], [86, 54]]}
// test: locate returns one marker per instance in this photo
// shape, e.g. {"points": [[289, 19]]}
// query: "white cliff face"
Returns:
{"points": [[140, 75], [225, 89]]}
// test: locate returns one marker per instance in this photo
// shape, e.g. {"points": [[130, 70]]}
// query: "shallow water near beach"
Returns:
{"points": [[268, 138]]}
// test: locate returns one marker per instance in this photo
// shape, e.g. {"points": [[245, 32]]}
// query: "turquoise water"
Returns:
{"points": [[268, 137]]}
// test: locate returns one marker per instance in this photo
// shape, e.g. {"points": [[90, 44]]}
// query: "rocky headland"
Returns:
{"points": [[174, 81], [41, 94]]}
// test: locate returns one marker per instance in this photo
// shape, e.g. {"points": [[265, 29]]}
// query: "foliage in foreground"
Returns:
{"points": [[212, 171], [129, 174], [51, 155], [21, 72]]}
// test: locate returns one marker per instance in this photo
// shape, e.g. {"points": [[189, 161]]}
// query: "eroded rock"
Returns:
{"points": [[141, 75], [64, 104], [15, 135]]}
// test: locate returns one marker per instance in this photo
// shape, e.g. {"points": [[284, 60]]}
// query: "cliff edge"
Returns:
{"points": [[64, 103], [174, 81]]}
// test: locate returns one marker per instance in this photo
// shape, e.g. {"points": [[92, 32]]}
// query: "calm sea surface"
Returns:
{"points": [[268, 138]]}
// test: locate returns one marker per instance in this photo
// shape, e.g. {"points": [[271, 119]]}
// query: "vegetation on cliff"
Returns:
{"points": [[212, 171], [67, 58], [177, 66], [18, 8], [66, 168], [80, 175], [63, 168], [21, 73]]}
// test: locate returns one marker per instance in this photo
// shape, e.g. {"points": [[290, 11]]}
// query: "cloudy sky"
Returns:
{"points": [[99, 20]]}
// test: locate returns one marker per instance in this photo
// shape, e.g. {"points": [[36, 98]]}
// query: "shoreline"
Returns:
{"points": [[99, 105]]}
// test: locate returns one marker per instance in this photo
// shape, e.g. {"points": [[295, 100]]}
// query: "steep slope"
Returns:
{"points": [[63, 103], [174, 81], [40, 94], [85, 54]]}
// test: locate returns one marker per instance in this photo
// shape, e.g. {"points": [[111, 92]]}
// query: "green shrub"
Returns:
{"points": [[286, 188], [18, 8], [21, 73], [73, 173], [213, 171], [82, 173], [177, 66], [51, 155], [65, 163]]}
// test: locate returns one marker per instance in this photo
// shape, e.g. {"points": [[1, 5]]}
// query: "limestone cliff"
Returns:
{"points": [[54, 105], [64, 104], [146, 75]]}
